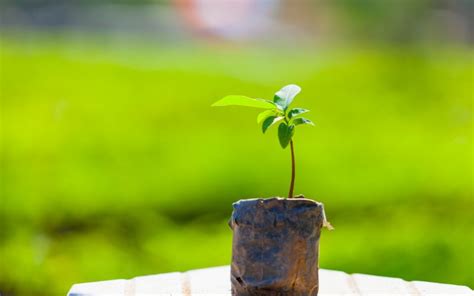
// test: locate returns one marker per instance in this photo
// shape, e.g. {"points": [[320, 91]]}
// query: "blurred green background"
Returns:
{"points": [[114, 165]]}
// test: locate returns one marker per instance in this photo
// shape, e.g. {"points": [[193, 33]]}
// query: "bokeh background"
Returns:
{"points": [[114, 165]]}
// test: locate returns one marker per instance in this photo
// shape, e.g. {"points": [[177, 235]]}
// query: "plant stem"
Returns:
{"points": [[292, 183]]}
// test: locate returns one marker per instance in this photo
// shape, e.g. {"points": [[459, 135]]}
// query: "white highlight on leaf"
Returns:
{"points": [[288, 93]]}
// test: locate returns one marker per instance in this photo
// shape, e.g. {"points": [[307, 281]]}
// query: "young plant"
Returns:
{"points": [[277, 111]]}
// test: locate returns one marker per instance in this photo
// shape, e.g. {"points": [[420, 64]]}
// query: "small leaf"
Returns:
{"points": [[269, 101], [279, 102], [296, 111], [269, 122], [301, 120], [234, 100], [285, 96], [264, 115], [285, 133]]}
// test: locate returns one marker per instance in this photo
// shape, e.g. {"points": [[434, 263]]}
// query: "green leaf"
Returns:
{"points": [[264, 115], [285, 133], [234, 100], [301, 120], [269, 101], [279, 102], [296, 111], [270, 121], [285, 96]]}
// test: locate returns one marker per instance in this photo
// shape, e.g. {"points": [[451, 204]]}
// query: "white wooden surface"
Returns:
{"points": [[216, 281]]}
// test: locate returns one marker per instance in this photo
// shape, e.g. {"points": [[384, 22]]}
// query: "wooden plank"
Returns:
{"points": [[333, 282], [161, 284], [209, 281], [114, 287], [379, 285], [216, 281], [435, 289]]}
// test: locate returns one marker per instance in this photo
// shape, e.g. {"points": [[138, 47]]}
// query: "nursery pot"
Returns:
{"points": [[275, 247]]}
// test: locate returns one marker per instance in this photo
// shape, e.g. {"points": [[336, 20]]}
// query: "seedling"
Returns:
{"points": [[277, 111]]}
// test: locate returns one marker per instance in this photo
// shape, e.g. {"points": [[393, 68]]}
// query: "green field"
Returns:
{"points": [[114, 164]]}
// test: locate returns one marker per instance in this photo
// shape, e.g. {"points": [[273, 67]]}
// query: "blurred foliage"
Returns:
{"points": [[114, 164], [405, 21]]}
